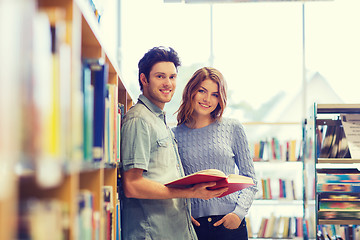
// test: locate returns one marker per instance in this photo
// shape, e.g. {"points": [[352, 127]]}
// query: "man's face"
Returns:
{"points": [[160, 86]]}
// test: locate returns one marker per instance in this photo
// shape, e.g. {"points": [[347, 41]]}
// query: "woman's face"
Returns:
{"points": [[207, 98]]}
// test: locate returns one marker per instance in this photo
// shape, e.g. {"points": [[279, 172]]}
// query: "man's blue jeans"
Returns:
{"points": [[206, 230]]}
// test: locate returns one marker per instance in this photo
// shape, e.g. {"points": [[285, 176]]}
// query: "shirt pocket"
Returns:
{"points": [[164, 154], [163, 143]]}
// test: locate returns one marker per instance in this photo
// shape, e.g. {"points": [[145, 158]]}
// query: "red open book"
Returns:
{"points": [[234, 182]]}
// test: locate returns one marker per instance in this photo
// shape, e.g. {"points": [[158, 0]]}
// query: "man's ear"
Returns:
{"points": [[143, 79]]}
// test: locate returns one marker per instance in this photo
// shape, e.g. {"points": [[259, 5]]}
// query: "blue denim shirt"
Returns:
{"points": [[148, 143]]}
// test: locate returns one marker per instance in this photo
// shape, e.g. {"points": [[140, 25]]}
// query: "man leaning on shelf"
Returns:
{"points": [[150, 158]]}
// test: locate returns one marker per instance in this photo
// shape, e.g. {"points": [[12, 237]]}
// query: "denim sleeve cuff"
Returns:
{"points": [[240, 212], [134, 165]]}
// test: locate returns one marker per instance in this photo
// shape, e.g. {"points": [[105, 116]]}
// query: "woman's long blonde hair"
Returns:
{"points": [[186, 108]]}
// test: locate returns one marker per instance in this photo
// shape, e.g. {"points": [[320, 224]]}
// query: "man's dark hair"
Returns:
{"points": [[155, 55]]}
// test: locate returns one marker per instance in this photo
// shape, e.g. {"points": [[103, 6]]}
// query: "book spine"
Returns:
{"points": [[99, 80], [338, 178], [338, 187], [88, 113]]}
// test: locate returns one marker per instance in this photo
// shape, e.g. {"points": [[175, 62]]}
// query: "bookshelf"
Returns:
{"points": [[44, 176], [309, 177], [279, 169], [337, 212]]}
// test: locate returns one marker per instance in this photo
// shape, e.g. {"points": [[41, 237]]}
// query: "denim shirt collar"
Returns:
{"points": [[152, 107]]}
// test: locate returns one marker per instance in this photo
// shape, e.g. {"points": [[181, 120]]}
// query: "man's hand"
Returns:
{"points": [[230, 221], [200, 191], [136, 186]]}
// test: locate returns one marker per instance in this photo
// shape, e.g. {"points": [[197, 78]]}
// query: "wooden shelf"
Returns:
{"points": [[8, 212], [339, 222], [338, 108], [93, 47], [341, 163], [278, 202], [271, 123]]}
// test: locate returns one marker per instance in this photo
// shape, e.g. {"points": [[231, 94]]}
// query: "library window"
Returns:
{"points": [[268, 51]]}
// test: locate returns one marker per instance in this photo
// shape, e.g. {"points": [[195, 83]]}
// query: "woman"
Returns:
{"points": [[208, 141]]}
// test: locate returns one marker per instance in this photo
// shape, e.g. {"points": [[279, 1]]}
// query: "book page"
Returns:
{"points": [[351, 125], [233, 178], [213, 172], [208, 175]]}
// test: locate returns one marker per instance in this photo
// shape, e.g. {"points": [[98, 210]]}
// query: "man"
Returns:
{"points": [[150, 158]]}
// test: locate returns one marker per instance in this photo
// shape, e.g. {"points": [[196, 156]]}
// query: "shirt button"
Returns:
{"points": [[209, 219]]}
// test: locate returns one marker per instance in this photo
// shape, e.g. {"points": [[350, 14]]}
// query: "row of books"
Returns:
{"points": [[89, 218], [339, 205], [33, 213], [343, 206], [343, 197], [277, 189], [275, 149], [61, 116], [333, 214], [112, 216], [274, 227], [14, 75], [102, 114], [351, 177], [42, 120], [45, 95], [339, 187], [339, 196], [332, 142], [338, 232]]}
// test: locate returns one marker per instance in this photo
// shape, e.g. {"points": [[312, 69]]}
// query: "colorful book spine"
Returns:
{"points": [[88, 112], [86, 215], [99, 79], [325, 187], [339, 205], [338, 178], [100, 72]]}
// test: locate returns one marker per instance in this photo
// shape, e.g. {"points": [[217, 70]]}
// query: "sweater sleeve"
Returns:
{"points": [[245, 164]]}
